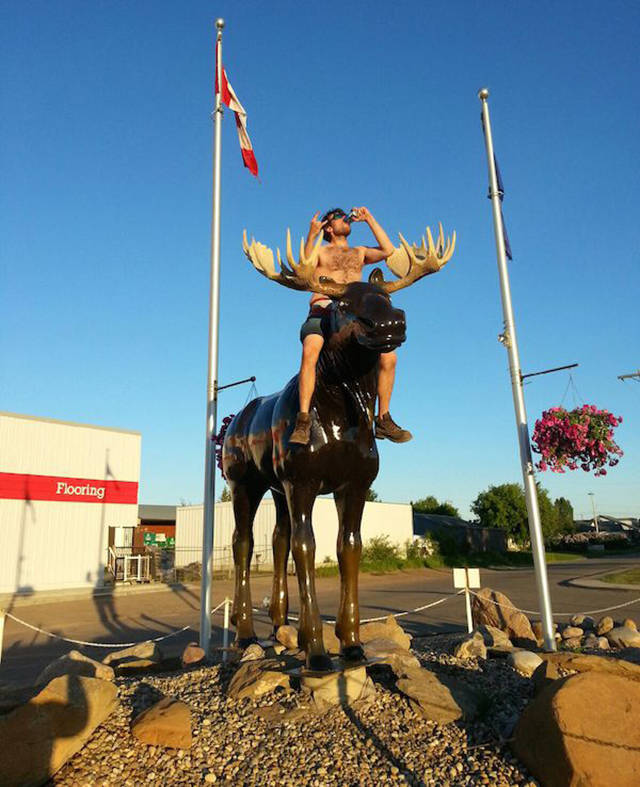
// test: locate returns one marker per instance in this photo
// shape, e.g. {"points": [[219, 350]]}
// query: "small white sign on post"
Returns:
{"points": [[467, 578]]}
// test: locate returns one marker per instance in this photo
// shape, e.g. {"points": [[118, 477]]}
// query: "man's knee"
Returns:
{"points": [[388, 361]]}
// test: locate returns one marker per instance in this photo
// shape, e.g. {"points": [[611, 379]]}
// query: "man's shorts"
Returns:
{"points": [[313, 324]]}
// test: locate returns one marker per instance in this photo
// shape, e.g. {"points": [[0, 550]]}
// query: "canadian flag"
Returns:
{"points": [[231, 100]]}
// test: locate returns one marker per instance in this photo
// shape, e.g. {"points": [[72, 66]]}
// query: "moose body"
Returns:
{"points": [[341, 458]]}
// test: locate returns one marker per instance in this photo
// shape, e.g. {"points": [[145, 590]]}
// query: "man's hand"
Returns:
{"points": [[316, 225], [315, 228], [362, 214]]}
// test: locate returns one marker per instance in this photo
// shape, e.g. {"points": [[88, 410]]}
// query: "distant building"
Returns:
{"points": [[465, 535], [608, 524]]}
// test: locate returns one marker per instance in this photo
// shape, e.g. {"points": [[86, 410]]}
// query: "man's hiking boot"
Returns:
{"points": [[302, 433], [387, 428]]}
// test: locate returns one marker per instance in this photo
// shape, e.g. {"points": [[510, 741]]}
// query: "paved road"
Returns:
{"points": [[140, 616]]}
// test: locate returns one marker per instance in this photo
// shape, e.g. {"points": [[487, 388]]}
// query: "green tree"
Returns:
{"points": [[225, 495], [430, 505], [503, 506], [565, 515], [372, 496]]}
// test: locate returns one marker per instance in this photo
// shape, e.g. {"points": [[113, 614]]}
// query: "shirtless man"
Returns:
{"points": [[342, 263]]}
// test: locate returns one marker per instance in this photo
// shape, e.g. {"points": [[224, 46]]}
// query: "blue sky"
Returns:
{"points": [[106, 146]]}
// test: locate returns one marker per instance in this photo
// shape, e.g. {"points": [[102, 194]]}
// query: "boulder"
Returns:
{"points": [[167, 723], [524, 661], [287, 636], [495, 639], [603, 643], [135, 666], [582, 730], [330, 641], [471, 647], [624, 637], [545, 673], [386, 651], [583, 662], [253, 652], [586, 622], [339, 688], [591, 642], [255, 678], [571, 632], [604, 624], [41, 735], [492, 608], [440, 698], [630, 623], [75, 663], [143, 650], [192, 654], [385, 629], [572, 643]]}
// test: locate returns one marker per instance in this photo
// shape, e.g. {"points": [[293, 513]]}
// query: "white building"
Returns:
{"points": [[394, 520], [62, 485]]}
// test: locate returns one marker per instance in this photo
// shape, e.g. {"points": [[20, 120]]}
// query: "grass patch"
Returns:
{"points": [[629, 577]]}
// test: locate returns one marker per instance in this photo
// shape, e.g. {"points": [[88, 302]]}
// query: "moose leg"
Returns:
{"points": [[350, 504], [300, 499], [279, 606], [246, 500]]}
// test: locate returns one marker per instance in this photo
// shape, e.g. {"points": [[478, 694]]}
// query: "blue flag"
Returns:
{"points": [[505, 237]]}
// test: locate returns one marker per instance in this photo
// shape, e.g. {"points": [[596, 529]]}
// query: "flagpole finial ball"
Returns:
{"points": [[219, 23], [483, 94]]}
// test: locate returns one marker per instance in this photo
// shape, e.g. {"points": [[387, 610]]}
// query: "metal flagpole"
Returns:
{"points": [[212, 378], [508, 338]]}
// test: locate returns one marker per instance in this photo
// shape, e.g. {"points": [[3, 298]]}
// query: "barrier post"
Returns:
{"points": [[225, 633], [1, 632], [467, 578]]}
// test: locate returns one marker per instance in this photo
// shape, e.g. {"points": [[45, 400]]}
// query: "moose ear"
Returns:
{"points": [[376, 277]]}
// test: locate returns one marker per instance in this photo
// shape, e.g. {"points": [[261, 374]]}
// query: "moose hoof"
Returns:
{"points": [[353, 653], [320, 663]]}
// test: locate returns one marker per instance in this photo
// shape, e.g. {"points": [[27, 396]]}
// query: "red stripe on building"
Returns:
{"points": [[22, 486]]}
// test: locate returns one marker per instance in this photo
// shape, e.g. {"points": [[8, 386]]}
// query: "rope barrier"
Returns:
{"points": [[560, 614], [103, 644], [295, 618], [382, 617]]}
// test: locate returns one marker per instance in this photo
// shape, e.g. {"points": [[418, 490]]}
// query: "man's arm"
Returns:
{"points": [[384, 248], [314, 230]]}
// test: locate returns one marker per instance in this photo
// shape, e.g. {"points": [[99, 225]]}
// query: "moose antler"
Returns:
{"points": [[299, 275], [411, 263]]}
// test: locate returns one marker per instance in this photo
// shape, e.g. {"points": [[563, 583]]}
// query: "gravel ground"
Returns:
{"points": [[282, 740]]}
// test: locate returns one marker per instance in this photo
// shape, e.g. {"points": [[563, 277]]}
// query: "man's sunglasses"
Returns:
{"points": [[338, 214]]}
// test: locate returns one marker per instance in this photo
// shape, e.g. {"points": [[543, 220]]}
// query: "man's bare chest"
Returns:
{"points": [[346, 261]]}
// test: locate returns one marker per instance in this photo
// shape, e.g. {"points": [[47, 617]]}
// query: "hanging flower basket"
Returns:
{"points": [[580, 438]]}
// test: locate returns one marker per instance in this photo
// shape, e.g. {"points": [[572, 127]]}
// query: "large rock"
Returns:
{"points": [[604, 624], [572, 632], [524, 661], [624, 637], [75, 663], [386, 651], [339, 688], [471, 647], [192, 654], [494, 638], [583, 662], [572, 643], [287, 636], [143, 650], [492, 608], [167, 723], [253, 652], [630, 623], [582, 730], [40, 736], [385, 629], [440, 698], [255, 678]]}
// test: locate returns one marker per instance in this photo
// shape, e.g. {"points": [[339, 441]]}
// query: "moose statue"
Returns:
{"points": [[341, 457]]}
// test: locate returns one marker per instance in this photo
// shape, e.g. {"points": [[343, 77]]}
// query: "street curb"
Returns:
{"points": [[597, 584]]}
